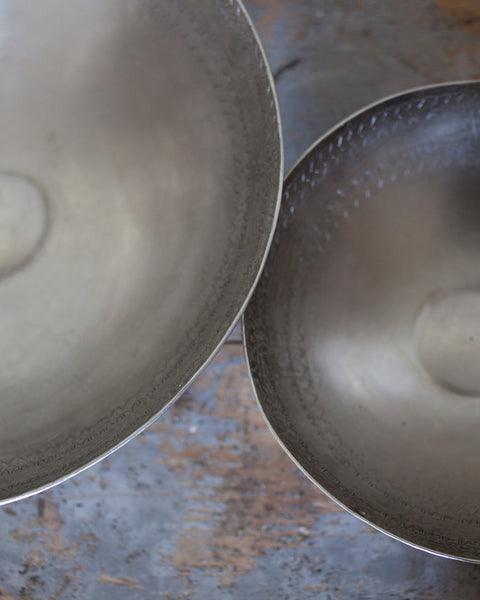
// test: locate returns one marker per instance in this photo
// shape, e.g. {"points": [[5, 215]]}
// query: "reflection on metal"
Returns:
{"points": [[363, 334], [208, 476], [140, 169]]}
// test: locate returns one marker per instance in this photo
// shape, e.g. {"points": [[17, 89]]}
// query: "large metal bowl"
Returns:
{"points": [[363, 336], [140, 169]]}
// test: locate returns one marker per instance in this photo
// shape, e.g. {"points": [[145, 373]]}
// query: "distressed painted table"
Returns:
{"points": [[204, 504]]}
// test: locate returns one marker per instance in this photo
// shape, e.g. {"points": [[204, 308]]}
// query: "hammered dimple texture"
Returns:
{"points": [[222, 47], [397, 461]]}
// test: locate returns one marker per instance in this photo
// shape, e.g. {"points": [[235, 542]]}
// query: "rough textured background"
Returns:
{"points": [[204, 504]]}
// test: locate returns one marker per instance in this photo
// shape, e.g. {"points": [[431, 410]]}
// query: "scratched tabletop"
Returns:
{"points": [[204, 504]]}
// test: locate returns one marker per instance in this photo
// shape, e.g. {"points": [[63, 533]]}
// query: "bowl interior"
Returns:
{"points": [[364, 334], [139, 180]]}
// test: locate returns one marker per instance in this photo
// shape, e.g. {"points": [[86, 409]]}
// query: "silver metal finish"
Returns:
{"points": [[363, 336], [140, 169]]}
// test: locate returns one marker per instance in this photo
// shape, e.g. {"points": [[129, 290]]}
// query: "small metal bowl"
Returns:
{"points": [[363, 336], [140, 174]]}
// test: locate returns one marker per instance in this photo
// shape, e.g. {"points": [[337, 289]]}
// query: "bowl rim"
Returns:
{"points": [[281, 160], [402, 94]]}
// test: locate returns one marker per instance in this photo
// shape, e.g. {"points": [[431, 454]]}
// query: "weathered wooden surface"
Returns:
{"points": [[332, 57], [204, 504]]}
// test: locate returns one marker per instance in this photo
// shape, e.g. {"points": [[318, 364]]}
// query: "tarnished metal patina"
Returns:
{"points": [[140, 169], [364, 333]]}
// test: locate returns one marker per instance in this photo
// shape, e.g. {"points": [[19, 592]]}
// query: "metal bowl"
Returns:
{"points": [[140, 170], [363, 336]]}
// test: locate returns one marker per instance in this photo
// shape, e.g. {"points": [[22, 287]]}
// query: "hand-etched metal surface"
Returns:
{"points": [[379, 220], [153, 129]]}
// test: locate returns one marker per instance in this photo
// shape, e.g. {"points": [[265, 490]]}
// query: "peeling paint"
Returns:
{"points": [[44, 529], [4, 595], [319, 587], [35, 557], [89, 537], [121, 580], [463, 13], [205, 498], [261, 509], [222, 508]]}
